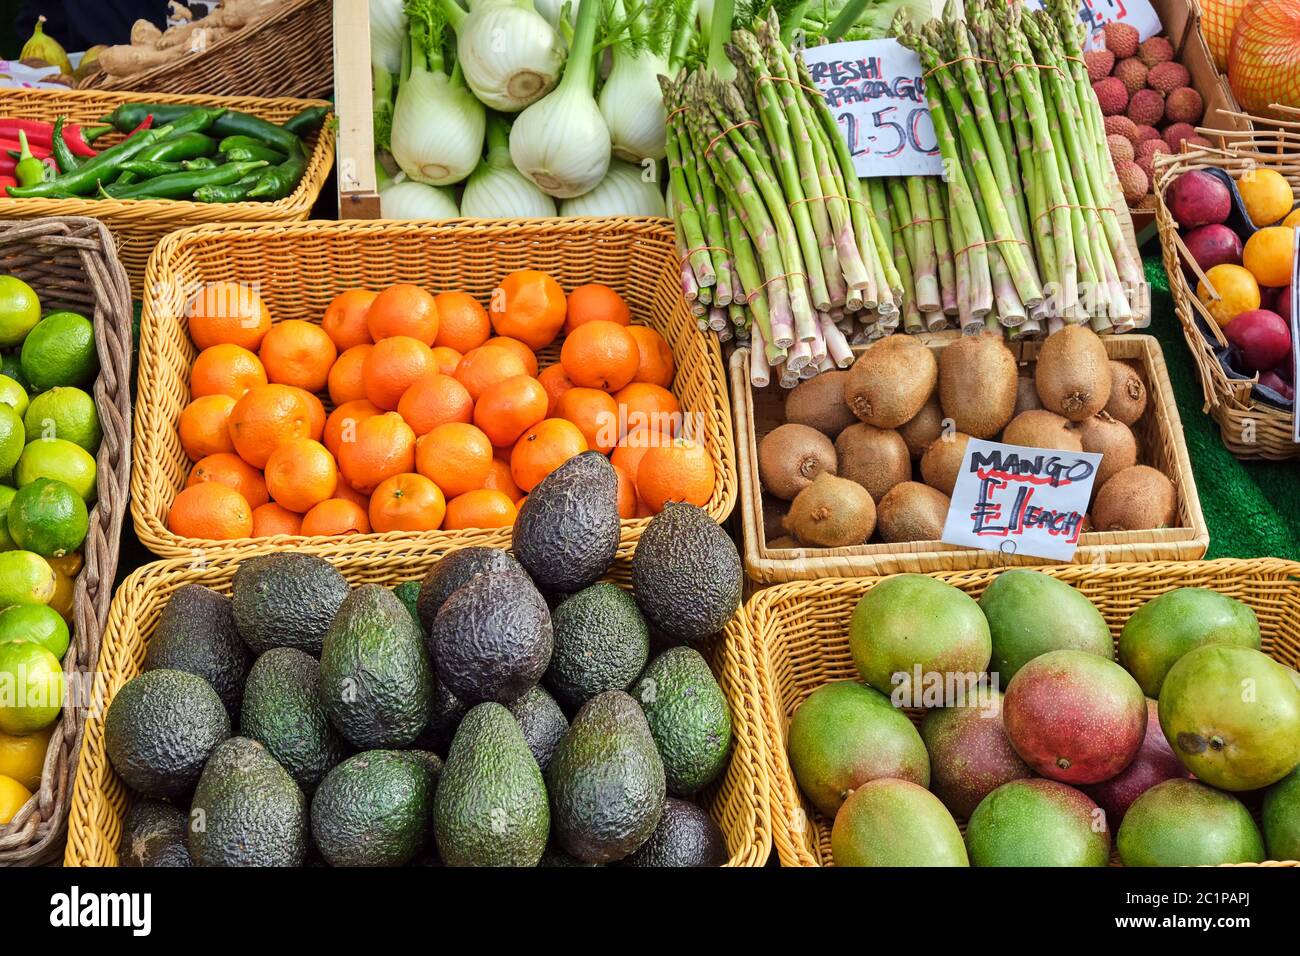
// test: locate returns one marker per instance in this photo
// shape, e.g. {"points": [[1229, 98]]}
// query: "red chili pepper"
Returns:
{"points": [[42, 134], [7, 164], [145, 124], [40, 152], [36, 130], [5, 182], [75, 137]]}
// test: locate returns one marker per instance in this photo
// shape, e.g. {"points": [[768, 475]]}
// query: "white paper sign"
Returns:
{"points": [[876, 91], [1095, 14], [1020, 500]]}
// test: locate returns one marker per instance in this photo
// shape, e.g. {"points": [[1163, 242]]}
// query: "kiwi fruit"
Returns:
{"points": [[890, 381], [876, 458], [1128, 393], [774, 512], [791, 456], [912, 512], [1026, 395], [941, 465], [1073, 373], [1113, 441], [977, 384], [1135, 499], [784, 543], [818, 402], [832, 512], [923, 427], [1039, 428]]}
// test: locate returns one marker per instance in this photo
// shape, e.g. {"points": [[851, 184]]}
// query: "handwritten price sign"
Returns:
{"points": [[1021, 500], [1095, 14], [877, 93]]}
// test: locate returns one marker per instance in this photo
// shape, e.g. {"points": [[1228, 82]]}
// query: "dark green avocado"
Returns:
{"points": [[567, 532]]}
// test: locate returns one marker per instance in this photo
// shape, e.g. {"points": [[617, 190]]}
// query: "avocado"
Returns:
{"points": [[373, 809], [542, 722], [685, 836], [566, 534], [492, 638], [286, 599], [408, 592], [606, 781], [247, 811], [153, 834], [375, 678], [688, 716], [282, 711], [454, 570], [490, 807], [445, 713], [554, 856], [601, 643], [196, 633], [160, 729], [686, 573]]}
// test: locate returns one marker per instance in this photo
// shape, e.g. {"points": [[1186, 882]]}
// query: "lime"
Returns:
{"points": [[36, 623], [13, 796], [11, 366], [31, 687], [20, 310], [60, 351], [6, 496], [13, 394], [59, 459], [25, 578], [64, 412], [48, 517], [12, 439]]}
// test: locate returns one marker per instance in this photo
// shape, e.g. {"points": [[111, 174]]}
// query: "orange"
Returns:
{"points": [[346, 381], [225, 370], [462, 322], [677, 471], [392, 365], [229, 469], [487, 365], [484, 508], [499, 479], [653, 406], [315, 413], [1270, 255], [600, 355], [264, 418], [298, 353], [382, 446], [628, 502], [203, 425], [345, 318], [595, 414], [342, 424], [1267, 195], [655, 364], [529, 306], [210, 510], [526, 355], [403, 309], [336, 516], [231, 313], [596, 302], [507, 409], [348, 493], [543, 448], [407, 502], [556, 382], [301, 474], [272, 519], [447, 359], [1237, 289], [455, 456], [632, 448], [434, 400]]}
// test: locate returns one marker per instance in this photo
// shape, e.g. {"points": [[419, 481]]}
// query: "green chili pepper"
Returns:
{"points": [[203, 162], [29, 170], [247, 149], [63, 156], [103, 168], [126, 179], [232, 193], [279, 181], [307, 121], [183, 184], [230, 123], [149, 168], [190, 145]]}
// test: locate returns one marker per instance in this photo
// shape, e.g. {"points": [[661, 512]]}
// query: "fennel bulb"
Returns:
{"points": [[387, 34], [510, 54], [561, 142], [496, 190], [551, 10], [633, 106], [411, 200], [625, 191]]}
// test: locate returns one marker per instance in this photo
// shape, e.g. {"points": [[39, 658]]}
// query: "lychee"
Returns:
{"points": [[1112, 96], [1099, 63], [1147, 132], [1156, 50], [1122, 126], [1121, 149], [1153, 147], [1134, 183], [1148, 166], [1167, 77], [1196, 142], [1175, 134], [1121, 39], [1184, 105], [1146, 108], [1132, 73]]}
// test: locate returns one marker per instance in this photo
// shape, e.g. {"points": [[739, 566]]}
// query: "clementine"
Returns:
{"points": [[211, 511], [595, 302], [335, 516], [455, 456], [680, 470], [596, 415], [266, 417], [229, 469], [392, 365], [655, 356], [407, 502], [403, 309], [345, 318], [507, 409], [483, 508], [600, 355], [272, 519], [300, 474], [203, 426], [435, 400], [347, 382], [231, 313], [543, 448], [225, 370], [529, 306], [298, 353], [463, 324], [382, 446]]}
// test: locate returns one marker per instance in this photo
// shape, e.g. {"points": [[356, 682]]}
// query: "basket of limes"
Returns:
{"points": [[65, 427]]}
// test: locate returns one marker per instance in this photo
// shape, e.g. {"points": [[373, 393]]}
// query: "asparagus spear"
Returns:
{"points": [[688, 212], [937, 203]]}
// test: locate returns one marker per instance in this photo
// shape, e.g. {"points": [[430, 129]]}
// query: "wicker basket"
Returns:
{"points": [[800, 633], [1251, 428], [1160, 437], [738, 802], [284, 54], [138, 224], [71, 265], [302, 267]]}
